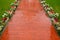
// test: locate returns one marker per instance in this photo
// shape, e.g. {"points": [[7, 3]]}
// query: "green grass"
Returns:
{"points": [[55, 4], [4, 5]]}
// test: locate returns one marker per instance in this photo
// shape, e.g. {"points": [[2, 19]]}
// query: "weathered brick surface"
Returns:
{"points": [[29, 23]]}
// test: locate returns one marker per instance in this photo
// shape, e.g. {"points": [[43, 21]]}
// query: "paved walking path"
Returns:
{"points": [[30, 23]]}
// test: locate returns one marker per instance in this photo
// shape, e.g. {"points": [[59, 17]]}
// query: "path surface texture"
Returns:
{"points": [[30, 23]]}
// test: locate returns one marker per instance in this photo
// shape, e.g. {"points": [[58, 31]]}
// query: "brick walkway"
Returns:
{"points": [[29, 23]]}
